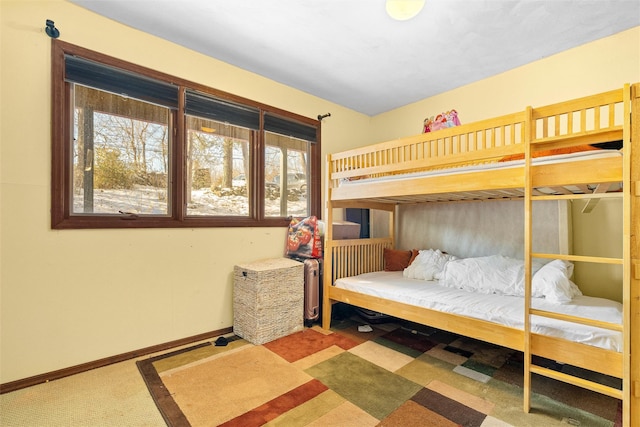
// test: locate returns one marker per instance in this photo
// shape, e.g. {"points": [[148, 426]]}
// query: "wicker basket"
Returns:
{"points": [[268, 299]]}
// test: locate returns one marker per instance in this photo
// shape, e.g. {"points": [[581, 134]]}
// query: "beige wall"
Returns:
{"points": [[70, 297], [603, 65], [604, 239]]}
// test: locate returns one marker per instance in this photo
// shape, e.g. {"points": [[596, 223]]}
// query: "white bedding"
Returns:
{"points": [[502, 309], [546, 160]]}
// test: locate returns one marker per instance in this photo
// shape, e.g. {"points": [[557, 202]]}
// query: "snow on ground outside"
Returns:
{"points": [[152, 201]]}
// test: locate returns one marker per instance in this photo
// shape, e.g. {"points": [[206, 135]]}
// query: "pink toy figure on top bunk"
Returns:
{"points": [[452, 118], [427, 124], [441, 121]]}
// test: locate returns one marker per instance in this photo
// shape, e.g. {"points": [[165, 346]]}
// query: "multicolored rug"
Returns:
{"points": [[395, 375]]}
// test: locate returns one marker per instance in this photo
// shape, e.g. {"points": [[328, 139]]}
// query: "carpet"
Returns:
{"points": [[398, 374]]}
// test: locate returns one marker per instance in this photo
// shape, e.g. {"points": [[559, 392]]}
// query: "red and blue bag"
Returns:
{"points": [[304, 239]]}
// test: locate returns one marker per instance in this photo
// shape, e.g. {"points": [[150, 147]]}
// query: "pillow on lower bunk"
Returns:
{"points": [[497, 274], [428, 265], [553, 282], [397, 260]]}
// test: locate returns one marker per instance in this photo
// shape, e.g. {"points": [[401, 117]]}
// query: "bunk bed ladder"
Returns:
{"points": [[531, 145], [528, 230]]}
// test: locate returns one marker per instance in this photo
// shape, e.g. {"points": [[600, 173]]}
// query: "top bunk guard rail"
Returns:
{"points": [[486, 140], [591, 119]]}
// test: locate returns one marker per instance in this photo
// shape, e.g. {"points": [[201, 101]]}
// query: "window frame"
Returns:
{"points": [[61, 159]]}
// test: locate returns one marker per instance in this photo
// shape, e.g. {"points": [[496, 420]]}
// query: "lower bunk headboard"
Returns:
{"points": [[356, 256]]}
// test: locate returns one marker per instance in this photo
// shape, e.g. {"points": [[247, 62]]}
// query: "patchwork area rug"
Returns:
{"points": [[395, 375]]}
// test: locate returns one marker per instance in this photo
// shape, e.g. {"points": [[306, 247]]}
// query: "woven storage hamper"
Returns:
{"points": [[268, 299]]}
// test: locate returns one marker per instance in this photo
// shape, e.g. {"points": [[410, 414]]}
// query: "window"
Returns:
{"points": [[219, 140], [286, 157], [120, 155], [132, 147]]}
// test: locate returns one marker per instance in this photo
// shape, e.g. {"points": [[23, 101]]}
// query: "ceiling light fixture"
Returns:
{"points": [[402, 10]]}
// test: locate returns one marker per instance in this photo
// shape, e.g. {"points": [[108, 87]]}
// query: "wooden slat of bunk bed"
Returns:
{"points": [[590, 385], [581, 172], [483, 330]]}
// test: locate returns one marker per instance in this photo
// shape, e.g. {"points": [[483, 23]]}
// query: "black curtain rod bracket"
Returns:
{"points": [[51, 29], [322, 116]]}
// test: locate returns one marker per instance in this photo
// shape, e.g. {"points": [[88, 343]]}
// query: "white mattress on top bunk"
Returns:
{"points": [[501, 309], [546, 160]]}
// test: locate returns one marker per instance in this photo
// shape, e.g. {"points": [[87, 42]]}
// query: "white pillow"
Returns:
{"points": [[498, 274], [494, 274], [428, 265], [553, 282]]}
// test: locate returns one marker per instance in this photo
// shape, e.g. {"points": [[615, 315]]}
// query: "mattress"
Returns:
{"points": [[547, 160], [501, 309]]}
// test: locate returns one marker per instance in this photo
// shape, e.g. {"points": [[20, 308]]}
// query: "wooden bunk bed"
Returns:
{"points": [[407, 170]]}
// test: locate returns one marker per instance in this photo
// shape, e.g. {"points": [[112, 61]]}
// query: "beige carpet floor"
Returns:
{"points": [[112, 396]]}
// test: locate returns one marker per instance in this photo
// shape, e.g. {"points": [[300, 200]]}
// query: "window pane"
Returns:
{"points": [[120, 155], [286, 157], [217, 168]]}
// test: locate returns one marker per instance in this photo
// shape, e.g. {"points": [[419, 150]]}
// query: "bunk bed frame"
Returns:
{"points": [[604, 117]]}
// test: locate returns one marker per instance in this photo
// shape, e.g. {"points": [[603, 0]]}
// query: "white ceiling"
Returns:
{"points": [[351, 53]]}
